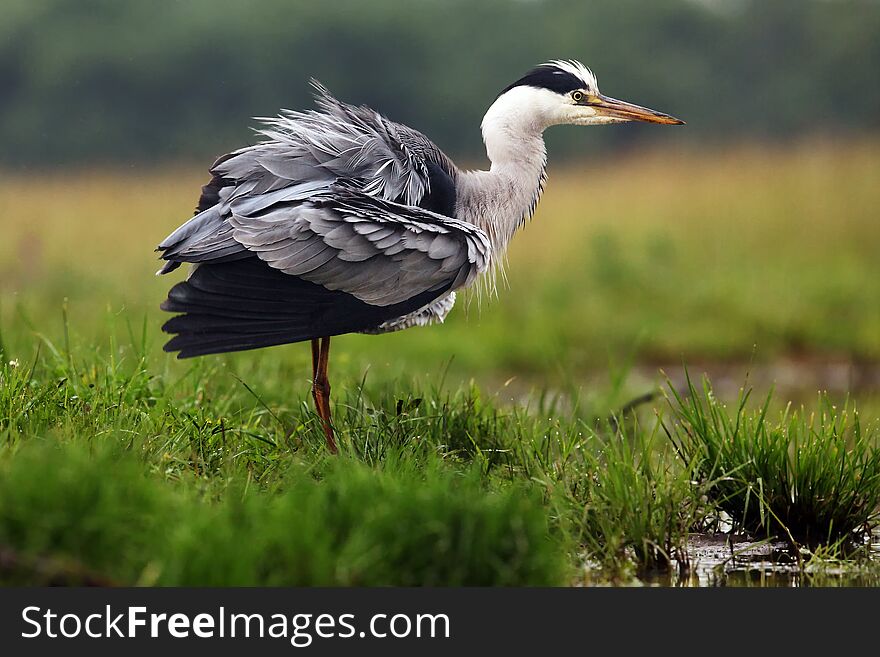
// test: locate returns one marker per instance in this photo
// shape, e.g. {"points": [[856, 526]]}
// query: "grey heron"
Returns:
{"points": [[342, 221]]}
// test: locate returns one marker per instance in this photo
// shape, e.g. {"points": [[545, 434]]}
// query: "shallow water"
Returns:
{"points": [[730, 560]]}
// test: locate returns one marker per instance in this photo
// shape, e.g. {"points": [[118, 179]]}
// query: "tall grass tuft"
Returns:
{"points": [[810, 478], [641, 504]]}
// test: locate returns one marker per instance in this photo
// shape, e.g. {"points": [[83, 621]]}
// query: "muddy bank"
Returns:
{"points": [[792, 378]]}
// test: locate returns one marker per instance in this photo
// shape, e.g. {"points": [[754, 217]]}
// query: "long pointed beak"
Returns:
{"points": [[619, 109]]}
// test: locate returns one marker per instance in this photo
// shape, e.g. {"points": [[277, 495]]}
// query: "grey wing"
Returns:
{"points": [[380, 252], [337, 262]]}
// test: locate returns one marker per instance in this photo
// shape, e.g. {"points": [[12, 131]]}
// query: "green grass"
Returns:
{"points": [[812, 476], [76, 513], [178, 478], [640, 505], [360, 527], [115, 472]]}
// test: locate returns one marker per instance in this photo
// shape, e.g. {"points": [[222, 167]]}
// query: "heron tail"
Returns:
{"points": [[246, 304]]}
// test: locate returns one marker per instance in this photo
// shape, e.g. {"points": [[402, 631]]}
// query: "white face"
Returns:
{"points": [[536, 109], [540, 108], [533, 110]]}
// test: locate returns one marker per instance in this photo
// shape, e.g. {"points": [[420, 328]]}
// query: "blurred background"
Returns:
{"points": [[749, 236]]}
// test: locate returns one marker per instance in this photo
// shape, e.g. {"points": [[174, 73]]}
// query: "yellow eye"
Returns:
{"points": [[577, 96]]}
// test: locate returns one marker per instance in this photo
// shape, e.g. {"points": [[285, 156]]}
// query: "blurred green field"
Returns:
{"points": [[656, 257]]}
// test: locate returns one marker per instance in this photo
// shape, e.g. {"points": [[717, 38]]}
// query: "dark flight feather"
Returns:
{"points": [[247, 304]]}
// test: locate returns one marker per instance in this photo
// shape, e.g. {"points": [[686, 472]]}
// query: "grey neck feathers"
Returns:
{"points": [[500, 200]]}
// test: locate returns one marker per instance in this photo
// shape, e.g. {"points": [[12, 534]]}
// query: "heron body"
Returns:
{"points": [[343, 221]]}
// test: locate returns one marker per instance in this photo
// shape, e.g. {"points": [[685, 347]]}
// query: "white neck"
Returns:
{"points": [[501, 199]]}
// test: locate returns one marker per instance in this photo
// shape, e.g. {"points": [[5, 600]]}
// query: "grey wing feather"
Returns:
{"points": [[340, 142], [319, 241], [433, 313]]}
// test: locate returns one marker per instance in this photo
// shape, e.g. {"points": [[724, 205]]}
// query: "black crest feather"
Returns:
{"points": [[548, 76]]}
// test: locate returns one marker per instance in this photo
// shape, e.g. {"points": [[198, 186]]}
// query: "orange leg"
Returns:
{"points": [[321, 387]]}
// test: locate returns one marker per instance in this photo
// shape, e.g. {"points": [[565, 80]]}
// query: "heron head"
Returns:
{"points": [[566, 92]]}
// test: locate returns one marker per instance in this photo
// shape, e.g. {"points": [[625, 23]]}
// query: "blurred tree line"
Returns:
{"points": [[92, 81]]}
